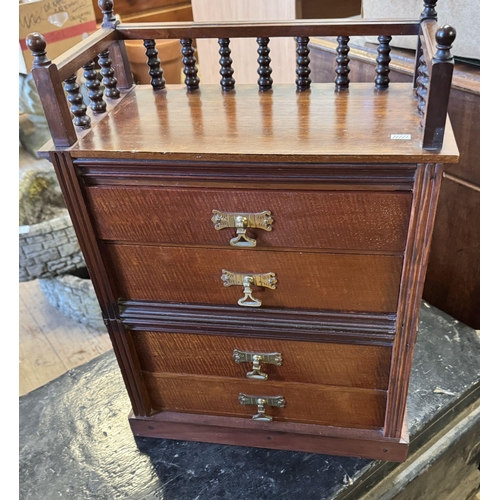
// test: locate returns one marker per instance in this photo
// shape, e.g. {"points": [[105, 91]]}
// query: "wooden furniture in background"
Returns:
{"points": [[168, 52], [223, 221], [318, 9], [452, 280], [149, 10]]}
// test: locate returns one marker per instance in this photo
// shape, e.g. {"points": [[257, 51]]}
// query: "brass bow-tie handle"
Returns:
{"points": [[257, 358], [242, 222], [267, 280], [261, 402]]}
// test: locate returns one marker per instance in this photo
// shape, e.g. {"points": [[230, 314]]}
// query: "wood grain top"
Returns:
{"points": [[320, 125]]}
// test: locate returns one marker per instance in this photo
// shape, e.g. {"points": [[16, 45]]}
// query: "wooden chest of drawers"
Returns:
{"points": [[258, 253]]}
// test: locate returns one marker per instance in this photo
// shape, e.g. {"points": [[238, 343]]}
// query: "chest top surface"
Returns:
{"points": [[321, 125]]}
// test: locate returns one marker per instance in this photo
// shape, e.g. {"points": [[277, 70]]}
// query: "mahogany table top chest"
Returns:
{"points": [[258, 251]]}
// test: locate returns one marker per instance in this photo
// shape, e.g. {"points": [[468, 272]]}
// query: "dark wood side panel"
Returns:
{"points": [[331, 220], [465, 116], [311, 363], [412, 284], [126, 358], [315, 404], [305, 280], [453, 276]]}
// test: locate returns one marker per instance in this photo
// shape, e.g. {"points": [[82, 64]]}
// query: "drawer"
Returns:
{"points": [[355, 220], [305, 362], [307, 403], [304, 280]]}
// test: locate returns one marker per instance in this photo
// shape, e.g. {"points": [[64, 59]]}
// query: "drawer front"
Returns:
{"points": [[355, 220], [306, 403], [304, 280], [306, 362]]}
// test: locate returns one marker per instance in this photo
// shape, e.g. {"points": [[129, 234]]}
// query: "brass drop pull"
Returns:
{"points": [[242, 222], [257, 358], [261, 402], [249, 300], [267, 280]]}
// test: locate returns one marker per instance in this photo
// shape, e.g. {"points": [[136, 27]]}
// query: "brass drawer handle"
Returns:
{"points": [[256, 358], [267, 280], [242, 222], [261, 402]]}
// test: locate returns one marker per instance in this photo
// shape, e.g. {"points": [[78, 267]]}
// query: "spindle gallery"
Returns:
{"points": [[258, 251]]}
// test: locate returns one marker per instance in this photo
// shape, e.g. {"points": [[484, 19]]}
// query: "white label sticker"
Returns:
{"points": [[24, 229], [401, 137]]}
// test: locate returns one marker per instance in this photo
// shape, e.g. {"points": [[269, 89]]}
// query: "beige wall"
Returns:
{"points": [[463, 15], [244, 50]]}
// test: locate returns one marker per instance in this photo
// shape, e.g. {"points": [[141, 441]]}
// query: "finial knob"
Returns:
{"points": [[37, 45], [106, 7], [36, 42], [429, 10], [445, 36]]}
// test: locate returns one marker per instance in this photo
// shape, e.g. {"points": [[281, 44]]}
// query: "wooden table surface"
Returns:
{"points": [[76, 443]]}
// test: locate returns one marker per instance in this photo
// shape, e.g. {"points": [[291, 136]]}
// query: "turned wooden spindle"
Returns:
{"points": [[428, 14], [303, 70], [109, 19], [429, 11], [438, 92], [190, 70], [342, 69], [108, 75], [93, 85], [265, 81], [226, 71], [422, 85], [117, 50], [383, 60], [154, 63], [77, 106]]}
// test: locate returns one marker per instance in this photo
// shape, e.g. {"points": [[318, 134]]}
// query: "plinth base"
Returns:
{"points": [[307, 438]]}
